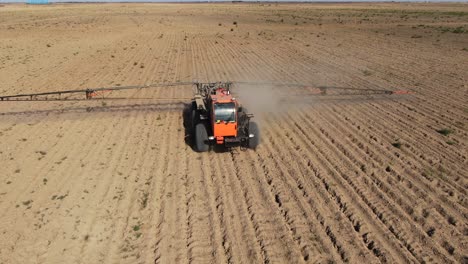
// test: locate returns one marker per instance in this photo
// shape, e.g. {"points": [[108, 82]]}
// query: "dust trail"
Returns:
{"points": [[264, 100], [260, 100]]}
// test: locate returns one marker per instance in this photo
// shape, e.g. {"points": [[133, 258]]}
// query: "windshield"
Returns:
{"points": [[225, 112]]}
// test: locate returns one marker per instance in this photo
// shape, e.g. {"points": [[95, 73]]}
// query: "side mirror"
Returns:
{"points": [[240, 109]]}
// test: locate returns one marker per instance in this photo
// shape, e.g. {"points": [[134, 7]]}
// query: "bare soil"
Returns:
{"points": [[113, 180]]}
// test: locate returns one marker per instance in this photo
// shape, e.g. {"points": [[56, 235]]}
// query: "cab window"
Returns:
{"points": [[225, 112]]}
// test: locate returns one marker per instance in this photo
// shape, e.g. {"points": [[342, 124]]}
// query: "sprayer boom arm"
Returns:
{"points": [[203, 90]]}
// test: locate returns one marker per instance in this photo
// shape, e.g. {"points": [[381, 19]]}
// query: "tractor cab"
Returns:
{"points": [[223, 115]]}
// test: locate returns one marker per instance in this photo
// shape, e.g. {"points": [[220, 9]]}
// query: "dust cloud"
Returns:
{"points": [[265, 100]]}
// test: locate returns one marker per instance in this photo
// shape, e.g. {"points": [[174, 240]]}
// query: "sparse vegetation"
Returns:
{"points": [[396, 145], [459, 30], [455, 30], [144, 200], [452, 220], [450, 249], [445, 131], [430, 232], [366, 73], [61, 197], [28, 202], [425, 213], [363, 168]]}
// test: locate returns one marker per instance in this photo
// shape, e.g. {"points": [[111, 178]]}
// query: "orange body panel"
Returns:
{"points": [[223, 129]]}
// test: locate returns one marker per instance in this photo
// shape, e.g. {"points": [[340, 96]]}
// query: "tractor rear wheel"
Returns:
{"points": [[253, 129], [201, 138]]}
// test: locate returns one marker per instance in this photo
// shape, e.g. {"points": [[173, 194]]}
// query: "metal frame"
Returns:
{"points": [[201, 90]]}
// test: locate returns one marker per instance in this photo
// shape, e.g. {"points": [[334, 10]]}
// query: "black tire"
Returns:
{"points": [[253, 129], [201, 138], [193, 120]]}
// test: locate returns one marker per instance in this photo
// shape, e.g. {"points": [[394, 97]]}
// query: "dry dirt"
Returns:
{"points": [[345, 180]]}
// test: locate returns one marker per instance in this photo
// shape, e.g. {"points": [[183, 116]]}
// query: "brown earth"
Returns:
{"points": [[344, 180]]}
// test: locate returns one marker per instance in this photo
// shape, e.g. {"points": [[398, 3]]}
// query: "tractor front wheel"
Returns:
{"points": [[193, 120], [201, 138], [255, 140]]}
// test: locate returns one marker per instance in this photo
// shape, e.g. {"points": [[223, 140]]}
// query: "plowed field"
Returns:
{"points": [[336, 179]]}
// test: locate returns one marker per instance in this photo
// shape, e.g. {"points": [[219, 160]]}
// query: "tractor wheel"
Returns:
{"points": [[193, 120], [253, 129], [201, 138]]}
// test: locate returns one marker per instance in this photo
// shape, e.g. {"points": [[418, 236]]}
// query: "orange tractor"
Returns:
{"points": [[218, 119]]}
